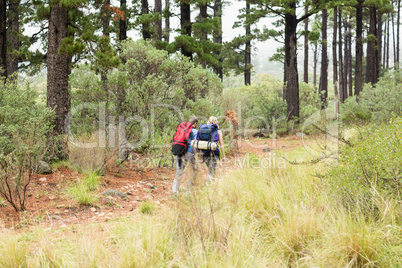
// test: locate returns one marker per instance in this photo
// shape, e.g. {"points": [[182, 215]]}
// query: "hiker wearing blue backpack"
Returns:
{"points": [[209, 140], [184, 153]]}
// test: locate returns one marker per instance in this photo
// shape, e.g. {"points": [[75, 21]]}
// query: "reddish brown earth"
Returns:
{"points": [[50, 205]]}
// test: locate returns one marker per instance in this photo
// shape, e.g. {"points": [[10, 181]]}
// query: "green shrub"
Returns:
{"points": [[370, 167], [377, 104], [24, 139], [147, 208], [82, 194], [91, 181]]}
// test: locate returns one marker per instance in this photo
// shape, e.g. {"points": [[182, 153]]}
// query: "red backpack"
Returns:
{"points": [[180, 139]]}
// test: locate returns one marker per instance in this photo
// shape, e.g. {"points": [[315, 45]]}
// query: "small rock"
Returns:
{"points": [[51, 197], [148, 196], [42, 179], [63, 226], [101, 214], [111, 192], [149, 185], [265, 150], [110, 214], [157, 202], [66, 211], [93, 209], [44, 168]]}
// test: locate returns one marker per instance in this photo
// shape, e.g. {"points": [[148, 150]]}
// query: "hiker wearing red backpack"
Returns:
{"points": [[209, 139], [181, 148]]}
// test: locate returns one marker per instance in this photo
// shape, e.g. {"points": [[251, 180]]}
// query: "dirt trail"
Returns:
{"points": [[50, 206]]}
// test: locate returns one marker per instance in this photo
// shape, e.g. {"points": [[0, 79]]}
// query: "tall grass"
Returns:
{"points": [[248, 218]]}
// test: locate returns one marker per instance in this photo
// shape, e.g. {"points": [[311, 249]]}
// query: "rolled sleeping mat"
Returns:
{"points": [[204, 145]]}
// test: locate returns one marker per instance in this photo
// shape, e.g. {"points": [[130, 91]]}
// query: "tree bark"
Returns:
{"points": [[217, 34], [380, 43], [58, 67], [185, 21], [146, 33], [166, 32], [335, 64], [347, 58], [372, 51], [315, 53], [158, 23], [122, 22], [3, 39], [204, 34], [323, 88], [341, 69], [387, 53], [247, 54], [292, 77], [305, 72], [398, 23], [13, 37], [359, 48], [106, 32]]}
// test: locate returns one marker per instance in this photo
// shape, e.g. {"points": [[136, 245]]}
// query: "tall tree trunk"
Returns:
{"points": [[204, 33], [58, 67], [146, 32], [323, 88], [158, 23], [305, 72], [105, 13], [315, 53], [122, 22], [247, 54], [393, 37], [335, 64], [292, 76], [217, 34], [13, 37], [341, 69], [372, 51], [3, 39], [185, 21], [388, 34], [398, 23], [380, 43], [166, 32], [359, 48], [347, 59]]}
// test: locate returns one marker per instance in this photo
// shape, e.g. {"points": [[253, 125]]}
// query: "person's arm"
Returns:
{"points": [[221, 144]]}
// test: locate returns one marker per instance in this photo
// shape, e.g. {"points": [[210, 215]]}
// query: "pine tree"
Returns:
{"points": [[3, 39]]}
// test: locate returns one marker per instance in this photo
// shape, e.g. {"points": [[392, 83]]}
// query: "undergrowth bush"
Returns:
{"points": [[24, 140], [371, 167], [377, 104], [83, 190]]}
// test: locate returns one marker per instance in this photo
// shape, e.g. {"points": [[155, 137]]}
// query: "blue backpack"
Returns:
{"points": [[208, 133]]}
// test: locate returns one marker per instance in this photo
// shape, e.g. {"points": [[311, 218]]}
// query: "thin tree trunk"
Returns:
{"points": [[372, 54], [58, 67], [247, 54], [305, 73], [393, 38], [346, 63], [185, 21], [315, 51], [292, 77], [166, 32], [350, 67], [122, 22], [359, 48], [380, 43], [158, 23], [146, 33], [341, 70], [217, 34], [204, 33], [398, 23], [335, 64], [13, 37], [3, 39], [106, 32], [388, 34], [323, 88]]}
